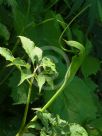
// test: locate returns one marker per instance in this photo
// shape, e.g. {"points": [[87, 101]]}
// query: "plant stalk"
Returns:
{"points": [[73, 68], [21, 131], [26, 110]]}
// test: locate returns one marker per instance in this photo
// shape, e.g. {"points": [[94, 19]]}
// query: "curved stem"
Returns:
{"points": [[60, 38], [73, 68]]}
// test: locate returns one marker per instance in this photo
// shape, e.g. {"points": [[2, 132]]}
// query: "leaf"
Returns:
{"points": [[91, 65], [4, 32], [44, 117], [78, 33], [50, 31], [7, 54], [25, 71], [90, 83], [48, 65], [17, 15], [49, 80], [31, 49], [76, 60], [19, 94], [76, 104], [38, 53], [63, 62], [52, 125], [76, 45], [35, 125], [47, 73], [40, 80], [77, 130], [19, 63], [25, 74], [88, 46]]}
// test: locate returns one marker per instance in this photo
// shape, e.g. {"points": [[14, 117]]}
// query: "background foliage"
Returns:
{"points": [[43, 22]]}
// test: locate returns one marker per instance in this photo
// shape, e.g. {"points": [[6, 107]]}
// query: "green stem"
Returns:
{"points": [[26, 111], [52, 99], [73, 19], [73, 68], [21, 131]]}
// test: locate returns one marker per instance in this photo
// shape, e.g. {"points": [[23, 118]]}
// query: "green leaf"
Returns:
{"points": [[40, 80], [25, 74], [77, 103], [7, 54], [50, 31], [4, 32], [19, 63], [49, 80], [77, 130], [44, 117], [88, 46], [38, 53], [78, 33], [30, 48], [35, 125], [48, 65], [53, 125], [90, 83], [91, 65], [18, 93], [76, 45]]}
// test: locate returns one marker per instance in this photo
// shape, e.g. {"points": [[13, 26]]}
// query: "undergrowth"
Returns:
{"points": [[30, 83]]}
